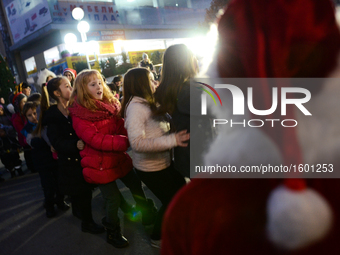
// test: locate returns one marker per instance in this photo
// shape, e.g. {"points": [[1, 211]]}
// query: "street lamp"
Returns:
{"points": [[78, 13], [70, 38], [83, 27]]}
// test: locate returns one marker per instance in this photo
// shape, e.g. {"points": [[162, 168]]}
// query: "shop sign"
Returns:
{"points": [[107, 35], [71, 62], [106, 48], [26, 17], [96, 13]]}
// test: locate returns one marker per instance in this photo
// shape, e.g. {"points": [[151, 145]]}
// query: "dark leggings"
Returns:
{"points": [[82, 203], [49, 183], [111, 195], [164, 184], [29, 160]]}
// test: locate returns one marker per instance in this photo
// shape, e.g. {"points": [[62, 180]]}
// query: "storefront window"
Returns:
{"points": [[30, 64], [52, 55]]}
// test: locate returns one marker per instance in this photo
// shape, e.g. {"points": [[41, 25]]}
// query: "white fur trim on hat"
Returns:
{"points": [[297, 218], [43, 74]]}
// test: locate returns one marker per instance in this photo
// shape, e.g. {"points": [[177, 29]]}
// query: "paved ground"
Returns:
{"points": [[25, 230]]}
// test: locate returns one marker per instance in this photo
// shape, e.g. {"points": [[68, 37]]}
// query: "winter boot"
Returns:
{"points": [[148, 210], [114, 235], [20, 172]]}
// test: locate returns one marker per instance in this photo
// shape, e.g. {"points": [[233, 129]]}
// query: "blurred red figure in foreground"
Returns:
{"points": [[258, 39]]}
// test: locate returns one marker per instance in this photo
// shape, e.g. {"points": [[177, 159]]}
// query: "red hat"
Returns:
{"points": [[18, 97], [72, 71], [264, 38], [16, 101]]}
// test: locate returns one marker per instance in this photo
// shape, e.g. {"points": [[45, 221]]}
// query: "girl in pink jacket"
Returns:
{"points": [[94, 112]]}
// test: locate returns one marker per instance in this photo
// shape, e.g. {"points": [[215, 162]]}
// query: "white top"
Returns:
{"points": [[149, 138]]}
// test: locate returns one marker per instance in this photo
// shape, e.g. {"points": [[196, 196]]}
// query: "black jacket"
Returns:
{"points": [[42, 156], [64, 140], [199, 127]]}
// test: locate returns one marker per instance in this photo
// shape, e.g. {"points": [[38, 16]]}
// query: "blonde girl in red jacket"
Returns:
{"points": [[94, 112]]}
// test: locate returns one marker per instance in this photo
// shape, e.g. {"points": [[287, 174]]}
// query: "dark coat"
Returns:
{"points": [[42, 155], [64, 140], [146, 65], [201, 131]]}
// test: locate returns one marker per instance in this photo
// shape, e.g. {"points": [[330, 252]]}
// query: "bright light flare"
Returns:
{"points": [[83, 26], [78, 13], [93, 47], [70, 38]]}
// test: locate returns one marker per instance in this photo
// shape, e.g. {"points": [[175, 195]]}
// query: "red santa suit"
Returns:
{"points": [[260, 39]]}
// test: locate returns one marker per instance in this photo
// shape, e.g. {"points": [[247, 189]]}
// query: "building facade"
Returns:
{"points": [[38, 28]]}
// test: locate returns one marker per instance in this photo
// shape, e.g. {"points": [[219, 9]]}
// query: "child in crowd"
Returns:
{"points": [[23, 87], [26, 89], [19, 121], [9, 146], [35, 97], [94, 112], [151, 142], [43, 161], [116, 86], [30, 112], [65, 141], [173, 95], [70, 74]]}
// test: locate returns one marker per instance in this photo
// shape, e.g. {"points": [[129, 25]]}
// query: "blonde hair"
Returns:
{"points": [[82, 95]]}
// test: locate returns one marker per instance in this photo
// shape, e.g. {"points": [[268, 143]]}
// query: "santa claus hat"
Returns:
{"points": [[72, 71], [266, 38], [283, 39], [16, 101]]}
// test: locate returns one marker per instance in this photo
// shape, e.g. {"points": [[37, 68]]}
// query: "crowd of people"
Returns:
{"points": [[77, 132]]}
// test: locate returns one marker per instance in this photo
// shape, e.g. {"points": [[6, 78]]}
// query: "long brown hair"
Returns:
{"points": [[84, 97], [179, 65], [46, 93], [137, 83]]}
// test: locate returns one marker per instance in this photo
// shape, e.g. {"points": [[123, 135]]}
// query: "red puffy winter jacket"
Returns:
{"points": [[104, 157], [19, 122]]}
